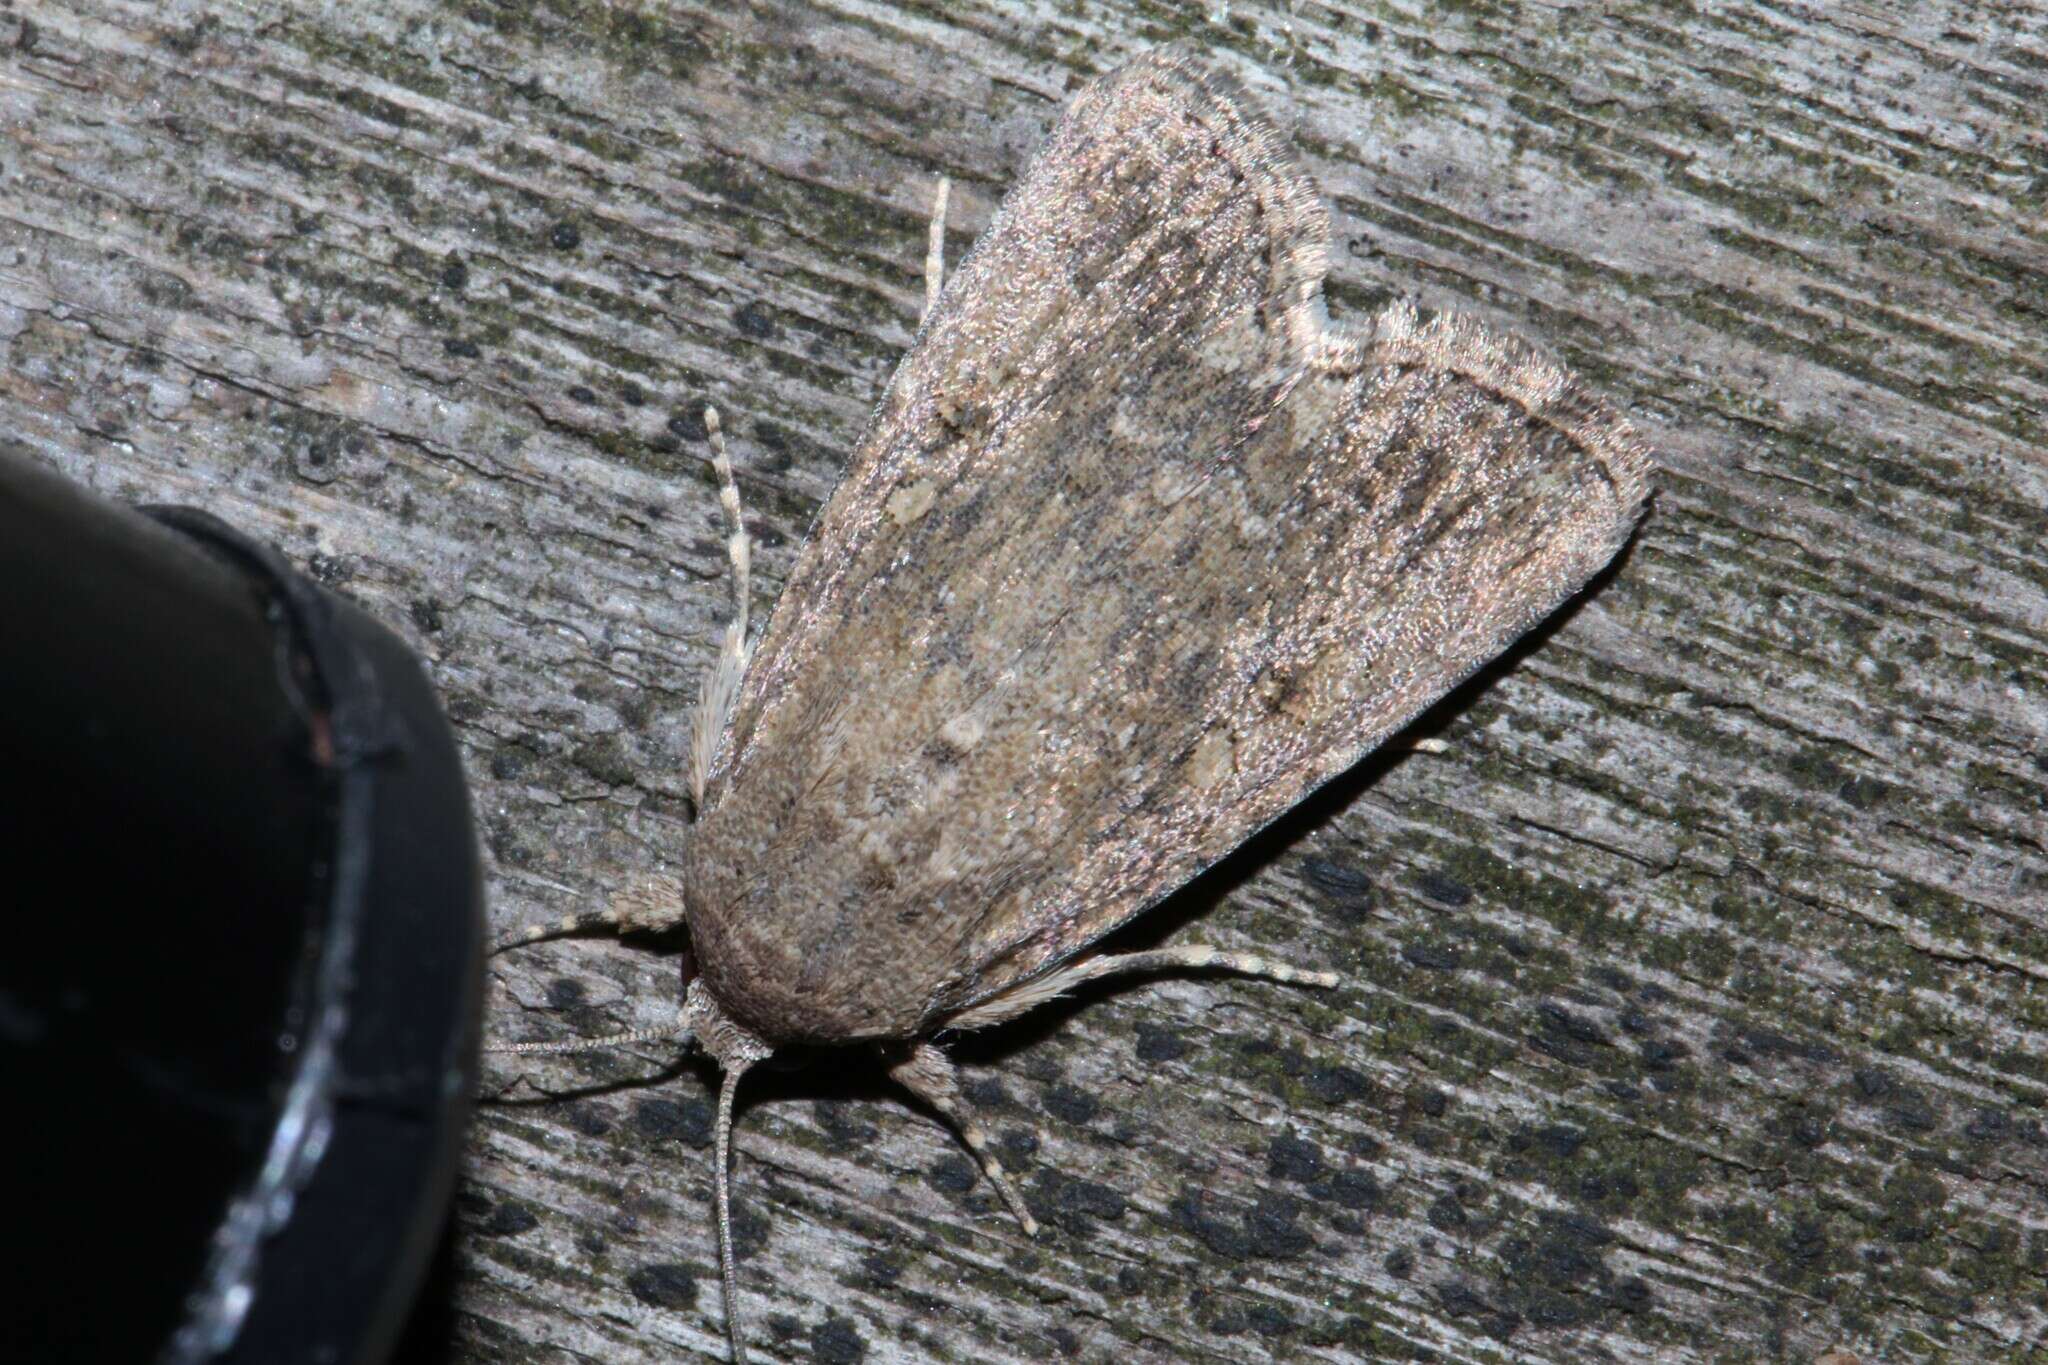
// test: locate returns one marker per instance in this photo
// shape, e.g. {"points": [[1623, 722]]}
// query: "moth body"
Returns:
{"points": [[1140, 549]]}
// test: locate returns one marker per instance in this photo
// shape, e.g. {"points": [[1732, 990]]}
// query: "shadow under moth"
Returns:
{"points": [[1138, 549]]}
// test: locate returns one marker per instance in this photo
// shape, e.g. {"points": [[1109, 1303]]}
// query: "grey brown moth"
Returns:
{"points": [[1139, 549]]}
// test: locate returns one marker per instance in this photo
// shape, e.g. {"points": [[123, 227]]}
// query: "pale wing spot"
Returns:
{"points": [[910, 502], [1234, 346], [1270, 689], [1173, 481], [1125, 428], [1214, 759], [964, 731], [947, 860]]}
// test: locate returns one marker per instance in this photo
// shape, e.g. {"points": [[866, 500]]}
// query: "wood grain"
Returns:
{"points": [[1698, 992]]}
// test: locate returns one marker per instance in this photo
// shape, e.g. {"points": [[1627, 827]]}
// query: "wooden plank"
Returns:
{"points": [[1697, 1006]]}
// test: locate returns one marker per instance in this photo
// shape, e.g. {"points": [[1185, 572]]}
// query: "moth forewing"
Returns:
{"points": [[1139, 549]]}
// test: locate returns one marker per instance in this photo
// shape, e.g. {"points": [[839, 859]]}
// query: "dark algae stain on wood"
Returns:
{"points": [[1763, 815]]}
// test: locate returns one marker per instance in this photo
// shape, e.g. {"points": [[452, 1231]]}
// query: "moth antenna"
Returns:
{"points": [[738, 548], [722, 1188], [608, 918], [722, 682], [679, 1029], [935, 249]]}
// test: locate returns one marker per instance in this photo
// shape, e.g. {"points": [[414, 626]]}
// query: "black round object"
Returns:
{"points": [[240, 988]]}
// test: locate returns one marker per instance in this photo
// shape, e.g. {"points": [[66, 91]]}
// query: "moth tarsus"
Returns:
{"points": [[582, 922], [1138, 550], [928, 1074]]}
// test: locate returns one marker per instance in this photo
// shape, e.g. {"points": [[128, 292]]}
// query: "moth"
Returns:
{"points": [[1138, 549]]}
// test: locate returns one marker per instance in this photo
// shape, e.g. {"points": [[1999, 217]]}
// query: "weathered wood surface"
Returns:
{"points": [[1697, 1006]]}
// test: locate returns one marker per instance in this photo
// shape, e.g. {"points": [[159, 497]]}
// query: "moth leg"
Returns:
{"points": [[668, 1033], [928, 1074], [607, 918], [935, 250], [647, 904], [722, 682], [1197, 956]]}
